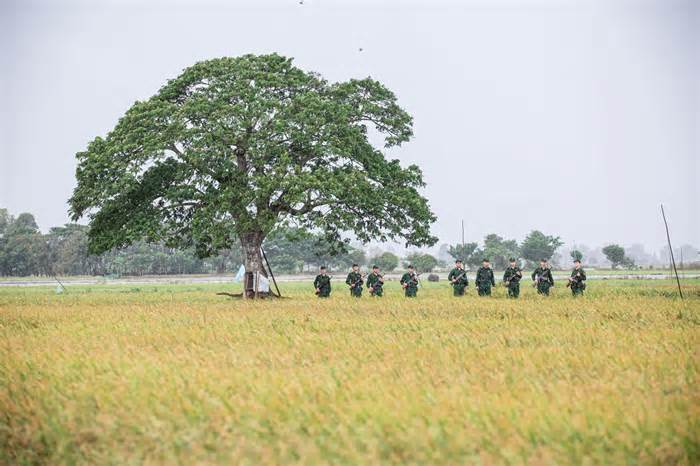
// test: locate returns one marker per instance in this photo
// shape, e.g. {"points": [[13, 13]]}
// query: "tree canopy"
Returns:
{"points": [[538, 246], [234, 146], [292, 250], [576, 255], [23, 250], [467, 253], [615, 254], [386, 261], [421, 261], [499, 251]]}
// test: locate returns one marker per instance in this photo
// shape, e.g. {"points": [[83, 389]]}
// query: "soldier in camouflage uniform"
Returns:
{"points": [[542, 278], [375, 282], [512, 277], [577, 281], [409, 282], [484, 279], [355, 281], [458, 278], [322, 283]]}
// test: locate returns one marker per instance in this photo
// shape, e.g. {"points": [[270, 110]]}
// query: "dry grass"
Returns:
{"points": [[177, 375]]}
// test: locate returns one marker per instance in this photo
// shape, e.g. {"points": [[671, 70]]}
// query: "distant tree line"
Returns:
{"points": [[293, 250], [25, 251], [498, 250]]}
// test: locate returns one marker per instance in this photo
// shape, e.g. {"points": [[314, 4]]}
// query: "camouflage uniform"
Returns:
{"points": [[411, 282], [484, 281], [376, 282], [355, 282], [544, 280], [512, 277], [577, 282], [461, 283], [323, 284]]}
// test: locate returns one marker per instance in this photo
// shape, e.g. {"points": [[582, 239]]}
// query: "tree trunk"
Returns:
{"points": [[251, 244]]}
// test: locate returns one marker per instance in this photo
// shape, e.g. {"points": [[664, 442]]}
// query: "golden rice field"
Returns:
{"points": [[177, 375]]}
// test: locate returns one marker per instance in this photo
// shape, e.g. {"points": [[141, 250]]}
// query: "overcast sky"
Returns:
{"points": [[574, 117]]}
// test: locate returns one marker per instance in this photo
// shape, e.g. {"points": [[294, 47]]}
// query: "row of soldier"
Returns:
{"points": [[542, 279]]}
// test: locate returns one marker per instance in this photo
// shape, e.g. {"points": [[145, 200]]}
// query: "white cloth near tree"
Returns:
{"points": [[264, 286]]}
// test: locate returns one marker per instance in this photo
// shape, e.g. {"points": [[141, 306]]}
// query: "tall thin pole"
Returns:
{"points": [[59, 282], [272, 275], [673, 260], [462, 235]]}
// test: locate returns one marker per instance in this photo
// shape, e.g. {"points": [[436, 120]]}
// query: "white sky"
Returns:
{"points": [[574, 117]]}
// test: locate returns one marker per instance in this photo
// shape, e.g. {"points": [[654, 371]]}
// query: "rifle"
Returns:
{"points": [[318, 289], [413, 279], [458, 277], [540, 277], [477, 280], [516, 277], [378, 284], [576, 278], [358, 282]]}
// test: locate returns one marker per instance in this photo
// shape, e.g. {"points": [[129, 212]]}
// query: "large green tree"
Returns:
{"points": [[234, 146], [538, 246], [499, 251]]}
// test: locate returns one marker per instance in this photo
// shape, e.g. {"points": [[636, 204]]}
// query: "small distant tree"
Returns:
{"points": [[538, 246], [288, 248], [465, 252], [356, 256], [339, 260], [576, 255], [422, 262], [68, 250], [628, 263], [615, 254], [386, 261], [23, 249], [499, 250]]}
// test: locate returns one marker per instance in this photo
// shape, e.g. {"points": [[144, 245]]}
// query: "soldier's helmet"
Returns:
{"points": [[512, 259]]}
